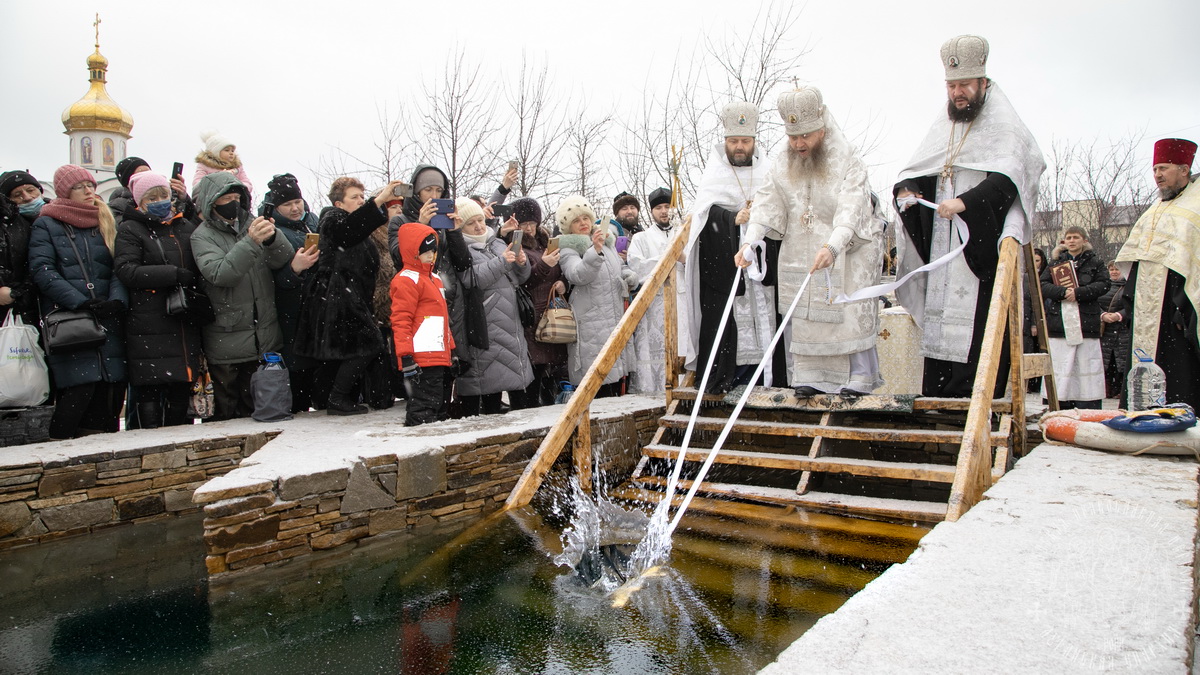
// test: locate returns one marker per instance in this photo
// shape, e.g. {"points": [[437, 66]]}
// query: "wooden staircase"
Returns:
{"points": [[891, 457]]}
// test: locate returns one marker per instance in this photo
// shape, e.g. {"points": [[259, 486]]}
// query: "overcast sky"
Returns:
{"points": [[288, 81]]}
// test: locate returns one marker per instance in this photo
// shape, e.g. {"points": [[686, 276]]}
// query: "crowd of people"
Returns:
{"points": [[407, 292]]}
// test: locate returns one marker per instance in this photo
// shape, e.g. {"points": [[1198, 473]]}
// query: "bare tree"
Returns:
{"points": [[460, 124], [585, 138], [1101, 185], [541, 128]]}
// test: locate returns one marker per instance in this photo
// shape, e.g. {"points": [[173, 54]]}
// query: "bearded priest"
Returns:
{"points": [[981, 166], [817, 202]]}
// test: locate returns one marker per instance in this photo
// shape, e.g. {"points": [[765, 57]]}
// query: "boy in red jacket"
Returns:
{"points": [[421, 326]]}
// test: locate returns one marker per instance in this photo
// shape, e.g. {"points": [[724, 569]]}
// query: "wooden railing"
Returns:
{"points": [[575, 417], [974, 472]]}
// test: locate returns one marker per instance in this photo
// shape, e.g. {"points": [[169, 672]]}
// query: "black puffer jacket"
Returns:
{"points": [[14, 261], [337, 317], [1093, 283], [160, 348]]}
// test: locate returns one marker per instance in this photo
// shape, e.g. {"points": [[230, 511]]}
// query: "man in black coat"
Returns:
{"points": [[20, 203]]}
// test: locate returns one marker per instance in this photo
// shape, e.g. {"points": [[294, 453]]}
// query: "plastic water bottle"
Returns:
{"points": [[565, 392], [1147, 384], [273, 361]]}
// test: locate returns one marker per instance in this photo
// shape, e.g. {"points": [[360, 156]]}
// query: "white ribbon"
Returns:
{"points": [[756, 249], [870, 292]]}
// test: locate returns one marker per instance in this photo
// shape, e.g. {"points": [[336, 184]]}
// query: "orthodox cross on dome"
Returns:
{"points": [[96, 24], [795, 80]]}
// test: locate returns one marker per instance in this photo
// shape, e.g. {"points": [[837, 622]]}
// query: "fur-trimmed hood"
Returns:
{"points": [[213, 162], [582, 242]]}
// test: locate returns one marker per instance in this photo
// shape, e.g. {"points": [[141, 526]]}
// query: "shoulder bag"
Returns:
{"points": [[73, 330]]}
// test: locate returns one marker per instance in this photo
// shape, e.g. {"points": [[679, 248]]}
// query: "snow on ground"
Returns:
{"points": [[1078, 561]]}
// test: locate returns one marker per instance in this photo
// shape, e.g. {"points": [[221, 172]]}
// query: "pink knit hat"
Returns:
{"points": [[68, 176], [141, 183]]}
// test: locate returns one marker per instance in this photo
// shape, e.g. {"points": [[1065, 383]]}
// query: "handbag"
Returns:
{"points": [[24, 379], [202, 404], [557, 325], [186, 299], [72, 330], [525, 307]]}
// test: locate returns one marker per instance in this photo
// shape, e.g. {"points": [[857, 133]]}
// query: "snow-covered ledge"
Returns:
{"points": [[1077, 561], [329, 482]]}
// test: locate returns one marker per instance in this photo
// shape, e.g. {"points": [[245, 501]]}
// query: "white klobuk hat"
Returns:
{"points": [[964, 57]]}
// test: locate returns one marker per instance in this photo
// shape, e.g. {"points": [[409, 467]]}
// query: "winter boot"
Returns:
{"points": [[150, 414], [343, 404]]}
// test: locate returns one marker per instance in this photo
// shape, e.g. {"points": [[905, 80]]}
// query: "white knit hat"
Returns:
{"points": [[570, 209], [965, 57], [215, 142], [802, 111], [467, 209], [740, 119]]}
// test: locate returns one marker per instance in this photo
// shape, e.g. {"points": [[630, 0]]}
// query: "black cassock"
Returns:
{"points": [[1178, 351], [716, 247], [987, 205]]}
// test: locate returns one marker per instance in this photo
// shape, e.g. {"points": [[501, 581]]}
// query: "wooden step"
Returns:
{"points": [[793, 429], [938, 473], [779, 516], [881, 507], [999, 405], [780, 398], [689, 394]]}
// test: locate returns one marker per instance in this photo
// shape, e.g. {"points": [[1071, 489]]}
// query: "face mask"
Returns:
{"points": [[160, 210], [31, 208], [227, 211]]}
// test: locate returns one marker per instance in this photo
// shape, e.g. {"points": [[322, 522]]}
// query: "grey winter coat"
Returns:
{"points": [[599, 285], [237, 275], [504, 365]]}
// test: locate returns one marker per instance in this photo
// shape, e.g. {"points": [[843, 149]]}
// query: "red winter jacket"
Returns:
{"points": [[418, 297]]}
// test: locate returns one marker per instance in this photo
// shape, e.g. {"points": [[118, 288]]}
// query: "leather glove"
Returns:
{"points": [[184, 276], [409, 368], [105, 309], [459, 367]]}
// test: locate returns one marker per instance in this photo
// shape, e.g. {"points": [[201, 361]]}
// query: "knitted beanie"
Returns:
{"points": [[467, 209], [141, 183], [126, 167], [429, 177], [283, 188], [527, 209], [68, 176], [11, 180], [570, 209], [215, 142]]}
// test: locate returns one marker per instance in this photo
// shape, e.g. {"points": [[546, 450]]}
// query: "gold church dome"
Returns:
{"points": [[97, 110]]}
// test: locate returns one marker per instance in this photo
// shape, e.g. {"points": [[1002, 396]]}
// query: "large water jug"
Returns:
{"points": [[564, 394], [1147, 384]]}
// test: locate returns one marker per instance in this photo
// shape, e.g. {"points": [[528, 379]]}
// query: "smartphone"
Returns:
{"points": [[177, 170], [312, 239], [552, 246], [402, 190], [268, 210], [441, 220], [512, 166], [622, 244], [517, 236], [502, 212]]}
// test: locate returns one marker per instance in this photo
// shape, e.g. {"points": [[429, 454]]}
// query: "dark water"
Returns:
{"points": [[135, 600]]}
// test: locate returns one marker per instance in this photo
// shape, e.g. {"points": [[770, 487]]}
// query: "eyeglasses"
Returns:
{"points": [[86, 185]]}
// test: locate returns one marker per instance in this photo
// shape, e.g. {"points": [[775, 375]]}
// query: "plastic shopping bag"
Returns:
{"points": [[24, 378]]}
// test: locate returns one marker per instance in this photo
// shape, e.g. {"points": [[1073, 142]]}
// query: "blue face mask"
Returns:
{"points": [[31, 208], [160, 210]]}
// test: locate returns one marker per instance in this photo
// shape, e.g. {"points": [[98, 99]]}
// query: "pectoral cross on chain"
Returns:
{"points": [[809, 218]]}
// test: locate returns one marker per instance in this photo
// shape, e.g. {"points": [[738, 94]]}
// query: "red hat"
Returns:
{"points": [[1174, 151]]}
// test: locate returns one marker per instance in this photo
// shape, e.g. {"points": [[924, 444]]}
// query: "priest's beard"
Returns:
{"points": [[813, 165], [969, 113], [743, 160], [1169, 193]]}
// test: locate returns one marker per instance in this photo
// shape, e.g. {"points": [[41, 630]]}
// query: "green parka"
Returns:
{"points": [[237, 275]]}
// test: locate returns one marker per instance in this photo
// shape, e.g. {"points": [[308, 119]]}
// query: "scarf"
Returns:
{"points": [[479, 238], [73, 213]]}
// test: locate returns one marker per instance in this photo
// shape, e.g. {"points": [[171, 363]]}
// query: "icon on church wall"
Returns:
{"points": [[85, 150], [109, 152]]}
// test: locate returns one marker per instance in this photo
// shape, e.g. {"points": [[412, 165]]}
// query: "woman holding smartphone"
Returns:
{"points": [[496, 270], [600, 283]]}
